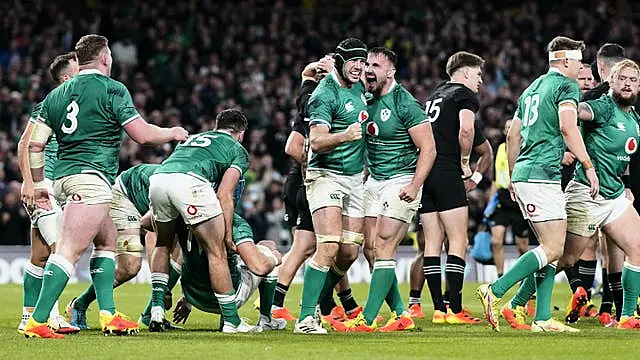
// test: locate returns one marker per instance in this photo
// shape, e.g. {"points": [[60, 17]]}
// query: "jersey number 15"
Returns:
{"points": [[433, 109]]}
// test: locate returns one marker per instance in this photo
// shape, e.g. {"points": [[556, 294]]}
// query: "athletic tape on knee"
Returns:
{"points": [[338, 272], [48, 224], [352, 237], [323, 268], [328, 239], [129, 244]]}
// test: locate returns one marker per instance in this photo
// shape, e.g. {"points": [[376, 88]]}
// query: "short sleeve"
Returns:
{"points": [[298, 126], [568, 92], [240, 160], [121, 103], [600, 108], [35, 112], [518, 113], [478, 136], [43, 112], [242, 232], [320, 108], [465, 99], [411, 112]]}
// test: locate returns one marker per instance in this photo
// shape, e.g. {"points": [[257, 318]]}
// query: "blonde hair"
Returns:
{"points": [[621, 65]]}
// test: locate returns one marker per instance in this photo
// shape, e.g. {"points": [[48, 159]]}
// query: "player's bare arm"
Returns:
{"points": [[514, 140], [295, 146], [23, 163], [422, 136], [312, 69], [260, 259], [485, 161], [465, 137], [225, 196], [584, 112], [39, 137], [145, 133], [322, 141], [567, 113]]}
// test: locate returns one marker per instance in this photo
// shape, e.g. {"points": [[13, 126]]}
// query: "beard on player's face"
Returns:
{"points": [[375, 82], [624, 97]]}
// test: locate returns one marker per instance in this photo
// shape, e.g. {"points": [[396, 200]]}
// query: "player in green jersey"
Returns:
{"points": [[400, 153], [87, 115], [545, 120], [44, 223], [208, 166], [129, 204], [252, 268], [611, 133], [334, 177]]}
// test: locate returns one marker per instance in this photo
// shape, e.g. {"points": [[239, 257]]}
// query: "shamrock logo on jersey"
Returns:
{"points": [[363, 116], [385, 114], [630, 146]]}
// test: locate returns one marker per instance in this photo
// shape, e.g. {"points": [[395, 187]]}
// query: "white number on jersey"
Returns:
{"points": [[433, 109], [530, 110], [72, 113], [202, 140]]}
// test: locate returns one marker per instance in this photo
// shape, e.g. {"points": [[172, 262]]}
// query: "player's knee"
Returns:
{"points": [[348, 253]]}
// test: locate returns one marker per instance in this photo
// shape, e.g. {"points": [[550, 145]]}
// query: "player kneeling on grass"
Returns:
{"points": [[252, 268], [611, 134]]}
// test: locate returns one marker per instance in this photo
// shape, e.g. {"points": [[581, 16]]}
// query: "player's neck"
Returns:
{"points": [[93, 67], [557, 70], [387, 88], [458, 80]]}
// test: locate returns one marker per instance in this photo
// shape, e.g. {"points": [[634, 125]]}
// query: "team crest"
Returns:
{"points": [[630, 146], [363, 116], [385, 114]]}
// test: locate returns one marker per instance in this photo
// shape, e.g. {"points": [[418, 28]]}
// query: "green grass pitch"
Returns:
{"points": [[201, 340]]}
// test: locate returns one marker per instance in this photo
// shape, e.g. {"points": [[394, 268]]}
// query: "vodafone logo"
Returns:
{"points": [[363, 116], [531, 209], [630, 146], [372, 129], [192, 210], [76, 197]]}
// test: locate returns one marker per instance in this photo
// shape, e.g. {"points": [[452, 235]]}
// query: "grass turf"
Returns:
{"points": [[201, 338]]}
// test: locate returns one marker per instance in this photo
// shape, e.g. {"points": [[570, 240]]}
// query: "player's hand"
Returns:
{"points": [[182, 311], [178, 133], [593, 181], [41, 199], [353, 132], [408, 193], [466, 171], [469, 185], [27, 194], [568, 158], [511, 192], [325, 64], [231, 247], [278, 256], [629, 195]]}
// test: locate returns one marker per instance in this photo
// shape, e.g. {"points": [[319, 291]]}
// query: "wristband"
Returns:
{"points": [[625, 180], [476, 177], [587, 164]]}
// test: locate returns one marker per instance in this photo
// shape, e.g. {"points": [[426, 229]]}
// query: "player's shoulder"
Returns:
{"points": [[596, 92], [308, 86]]}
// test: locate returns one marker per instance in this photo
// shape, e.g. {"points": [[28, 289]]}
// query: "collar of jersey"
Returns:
{"points": [[90, 71], [554, 70]]}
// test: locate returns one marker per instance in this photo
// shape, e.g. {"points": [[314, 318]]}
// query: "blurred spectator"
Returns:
{"points": [[184, 61]]}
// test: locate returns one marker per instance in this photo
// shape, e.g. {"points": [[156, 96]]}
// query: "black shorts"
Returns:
{"points": [[291, 186], [506, 217], [443, 190], [304, 220]]}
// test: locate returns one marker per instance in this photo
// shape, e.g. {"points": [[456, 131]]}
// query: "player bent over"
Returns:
{"points": [[197, 182]]}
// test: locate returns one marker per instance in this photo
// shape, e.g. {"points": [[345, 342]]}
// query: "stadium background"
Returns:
{"points": [[184, 61]]}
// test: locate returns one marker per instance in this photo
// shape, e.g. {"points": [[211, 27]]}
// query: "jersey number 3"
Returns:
{"points": [[530, 110], [72, 113]]}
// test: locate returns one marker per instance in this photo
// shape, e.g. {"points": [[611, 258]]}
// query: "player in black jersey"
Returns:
{"points": [[482, 148], [298, 215], [451, 109]]}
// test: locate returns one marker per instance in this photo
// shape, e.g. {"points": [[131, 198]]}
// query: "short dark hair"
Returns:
{"points": [[89, 47], [565, 43], [462, 59], [388, 53], [610, 51], [59, 65], [231, 119]]}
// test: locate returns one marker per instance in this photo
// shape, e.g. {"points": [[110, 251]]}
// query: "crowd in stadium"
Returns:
{"points": [[184, 62]]}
